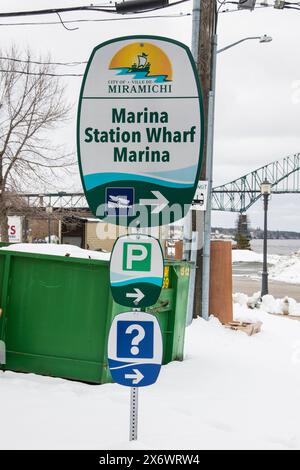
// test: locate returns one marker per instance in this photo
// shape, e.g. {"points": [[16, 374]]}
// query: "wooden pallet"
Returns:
{"points": [[247, 327]]}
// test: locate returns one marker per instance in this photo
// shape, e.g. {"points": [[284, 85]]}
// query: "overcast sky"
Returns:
{"points": [[257, 110]]}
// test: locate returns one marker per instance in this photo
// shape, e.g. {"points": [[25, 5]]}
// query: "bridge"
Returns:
{"points": [[236, 196], [60, 200], [242, 193]]}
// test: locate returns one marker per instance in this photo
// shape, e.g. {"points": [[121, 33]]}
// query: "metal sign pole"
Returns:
{"points": [[134, 404], [135, 336], [133, 413]]}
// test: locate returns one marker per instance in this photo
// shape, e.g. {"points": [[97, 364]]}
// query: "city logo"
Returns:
{"points": [[142, 68], [137, 256], [119, 201]]}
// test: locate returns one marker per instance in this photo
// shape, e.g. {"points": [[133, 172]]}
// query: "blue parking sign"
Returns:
{"points": [[135, 349]]}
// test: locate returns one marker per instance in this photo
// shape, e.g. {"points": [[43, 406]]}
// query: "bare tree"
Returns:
{"points": [[32, 103]]}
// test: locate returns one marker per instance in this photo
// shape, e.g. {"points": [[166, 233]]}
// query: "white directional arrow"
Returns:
{"points": [[160, 202], [136, 377], [137, 295]]}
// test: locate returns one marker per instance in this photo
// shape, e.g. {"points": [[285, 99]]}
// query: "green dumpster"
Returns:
{"points": [[56, 313]]}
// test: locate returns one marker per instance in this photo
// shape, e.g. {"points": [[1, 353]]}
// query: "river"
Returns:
{"points": [[277, 247]]}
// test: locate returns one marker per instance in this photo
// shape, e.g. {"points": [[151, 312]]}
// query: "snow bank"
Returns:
{"points": [[248, 256], [57, 250], [287, 269], [283, 269], [232, 391], [286, 305]]}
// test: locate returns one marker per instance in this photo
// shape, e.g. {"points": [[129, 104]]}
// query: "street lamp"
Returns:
{"points": [[262, 39], [209, 167], [265, 188]]}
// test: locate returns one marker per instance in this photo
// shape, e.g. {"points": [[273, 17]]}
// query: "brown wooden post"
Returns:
{"points": [[220, 292]]}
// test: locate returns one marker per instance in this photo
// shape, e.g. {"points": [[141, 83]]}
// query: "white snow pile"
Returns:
{"points": [[248, 256], [283, 268], [285, 306], [57, 250], [232, 391], [287, 269]]}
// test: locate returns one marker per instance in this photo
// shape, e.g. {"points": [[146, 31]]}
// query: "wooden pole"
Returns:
{"points": [[207, 28]]}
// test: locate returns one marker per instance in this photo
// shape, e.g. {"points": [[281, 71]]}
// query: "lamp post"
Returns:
{"points": [[209, 168], [265, 187], [261, 39]]}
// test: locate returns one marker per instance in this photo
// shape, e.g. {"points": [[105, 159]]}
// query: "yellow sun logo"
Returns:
{"points": [[142, 60]]}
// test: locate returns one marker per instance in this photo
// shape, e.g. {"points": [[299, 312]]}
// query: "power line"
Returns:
{"points": [[160, 7], [239, 11], [55, 10], [101, 9], [43, 74], [175, 15], [69, 64]]}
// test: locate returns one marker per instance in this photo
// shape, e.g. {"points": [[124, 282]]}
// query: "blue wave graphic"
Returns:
{"points": [[99, 179], [125, 375], [113, 364], [140, 75], [151, 280], [187, 174]]}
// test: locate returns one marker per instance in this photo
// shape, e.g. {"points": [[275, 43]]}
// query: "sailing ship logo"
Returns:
{"points": [[142, 64], [142, 61]]}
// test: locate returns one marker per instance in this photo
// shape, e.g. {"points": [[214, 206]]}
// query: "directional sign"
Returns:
{"points": [[140, 130], [136, 271], [135, 349], [200, 198]]}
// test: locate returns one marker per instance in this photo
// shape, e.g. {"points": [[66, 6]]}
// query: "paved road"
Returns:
{"points": [[277, 289]]}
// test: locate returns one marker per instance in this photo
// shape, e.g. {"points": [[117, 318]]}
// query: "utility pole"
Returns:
{"points": [[202, 43]]}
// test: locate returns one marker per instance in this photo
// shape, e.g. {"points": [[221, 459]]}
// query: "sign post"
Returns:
{"points": [[134, 402], [140, 134], [134, 355], [135, 341]]}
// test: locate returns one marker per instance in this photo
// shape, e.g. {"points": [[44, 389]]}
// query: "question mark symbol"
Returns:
{"points": [[137, 339]]}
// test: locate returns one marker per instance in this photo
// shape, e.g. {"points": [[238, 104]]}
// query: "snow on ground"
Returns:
{"points": [[58, 250], [287, 269], [286, 305], [232, 391], [248, 256], [283, 268]]}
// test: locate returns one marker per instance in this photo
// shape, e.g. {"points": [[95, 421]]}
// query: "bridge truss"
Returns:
{"points": [[236, 196], [242, 193]]}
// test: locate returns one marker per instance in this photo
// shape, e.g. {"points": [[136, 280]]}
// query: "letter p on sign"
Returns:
{"points": [[137, 257]]}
